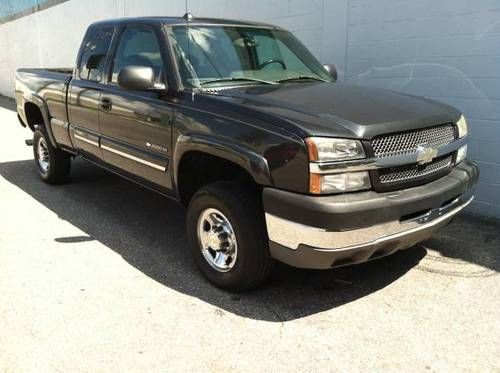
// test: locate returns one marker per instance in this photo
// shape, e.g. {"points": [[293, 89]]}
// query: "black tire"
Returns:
{"points": [[59, 161], [243, 209]]}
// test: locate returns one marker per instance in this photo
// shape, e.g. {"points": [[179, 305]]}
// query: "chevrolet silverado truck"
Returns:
{"points": [[239, 122]]}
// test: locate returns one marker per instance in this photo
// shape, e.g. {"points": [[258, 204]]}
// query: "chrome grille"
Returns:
{"points": [[414, 172], [405, 143]]}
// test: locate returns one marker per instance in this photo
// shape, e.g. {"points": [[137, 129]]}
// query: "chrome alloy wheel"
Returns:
{"points": [[217, 240], [43, 155]]}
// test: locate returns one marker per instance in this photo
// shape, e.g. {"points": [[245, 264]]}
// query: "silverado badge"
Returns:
{"points": [[156, 147]]}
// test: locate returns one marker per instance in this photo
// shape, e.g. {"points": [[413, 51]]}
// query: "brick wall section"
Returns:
{"points": [[448, 50]]}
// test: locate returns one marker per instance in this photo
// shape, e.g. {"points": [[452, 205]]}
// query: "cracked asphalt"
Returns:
{"points": [[95, 276]]}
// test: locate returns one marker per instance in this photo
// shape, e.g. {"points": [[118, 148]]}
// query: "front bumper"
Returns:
{"points": [[330, 231]]}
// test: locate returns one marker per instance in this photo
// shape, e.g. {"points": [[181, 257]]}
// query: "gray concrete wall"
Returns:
{"points": [[448, 50]]}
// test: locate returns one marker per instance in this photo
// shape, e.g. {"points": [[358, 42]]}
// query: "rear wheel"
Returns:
{"points": [[227, 235], [53, 164]]}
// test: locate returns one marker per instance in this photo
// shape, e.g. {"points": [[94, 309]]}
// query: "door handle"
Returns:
{"points": [[154, 117], [106, 104], [148, 116]]}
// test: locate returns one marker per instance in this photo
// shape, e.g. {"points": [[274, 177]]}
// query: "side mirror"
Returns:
{"points": [[136, 78], [332, 70]]}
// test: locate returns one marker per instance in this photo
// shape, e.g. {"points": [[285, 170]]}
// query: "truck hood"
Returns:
{"points": [[326, 109]]}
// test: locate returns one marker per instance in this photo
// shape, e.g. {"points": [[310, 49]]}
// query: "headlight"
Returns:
{"points": [[461, 154], [462, 127], [323, 149], [339, 183]]}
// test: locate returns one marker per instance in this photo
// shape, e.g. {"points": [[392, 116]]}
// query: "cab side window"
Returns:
{"points": [[138, 47], [93, 57]]}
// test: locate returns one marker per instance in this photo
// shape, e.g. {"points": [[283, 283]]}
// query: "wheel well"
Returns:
{"points": [[197, 169], [33, 115]]}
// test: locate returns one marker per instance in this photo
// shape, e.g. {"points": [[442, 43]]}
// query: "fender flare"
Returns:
{"points": [[40, 103], [255, 164]]}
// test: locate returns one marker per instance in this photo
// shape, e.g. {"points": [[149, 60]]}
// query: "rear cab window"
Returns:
{"points": [[94, 51]]}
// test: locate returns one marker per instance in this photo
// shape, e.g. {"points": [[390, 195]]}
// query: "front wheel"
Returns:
{"points": [[53, 164], [228, 240]]}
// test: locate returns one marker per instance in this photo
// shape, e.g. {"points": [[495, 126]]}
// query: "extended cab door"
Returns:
{"points": [[85, 88], [136, 125]]}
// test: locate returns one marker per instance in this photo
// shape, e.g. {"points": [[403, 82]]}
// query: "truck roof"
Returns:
{"points": [[172, 21]]}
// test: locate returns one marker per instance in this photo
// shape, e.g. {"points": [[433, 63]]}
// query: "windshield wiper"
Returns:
{"points": [[236, 79], [301, 77]]}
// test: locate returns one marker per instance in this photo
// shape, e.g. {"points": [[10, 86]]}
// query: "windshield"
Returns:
{"points": [[230, 55]]}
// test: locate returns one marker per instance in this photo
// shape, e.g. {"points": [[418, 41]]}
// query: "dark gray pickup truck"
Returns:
{"points": [[240, 123]]}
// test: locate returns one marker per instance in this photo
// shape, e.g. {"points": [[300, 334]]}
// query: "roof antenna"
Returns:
{"points": [[188, 16]]}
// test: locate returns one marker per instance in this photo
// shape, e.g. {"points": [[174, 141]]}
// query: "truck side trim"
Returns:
{"points": [[81, 138], [134, 158], [132, 177]]}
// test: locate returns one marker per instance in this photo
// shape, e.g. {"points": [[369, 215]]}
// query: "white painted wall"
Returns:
{"points": [[447, 49]]}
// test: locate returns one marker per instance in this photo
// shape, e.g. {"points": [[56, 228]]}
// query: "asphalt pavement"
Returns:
{"points": [[95, 276]]}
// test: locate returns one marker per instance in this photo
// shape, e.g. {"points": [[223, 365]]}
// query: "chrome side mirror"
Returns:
{"points": [[332, 70]]}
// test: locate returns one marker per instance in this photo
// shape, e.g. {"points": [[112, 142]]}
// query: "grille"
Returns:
{"points": [[405, 143], [414, 172]]}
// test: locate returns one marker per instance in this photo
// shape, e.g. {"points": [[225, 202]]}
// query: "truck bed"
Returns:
{"points": [[61, 70], [49, 84]]}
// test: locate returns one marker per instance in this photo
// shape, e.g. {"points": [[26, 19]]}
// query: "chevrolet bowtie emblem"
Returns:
{"points": [[425, 154]]}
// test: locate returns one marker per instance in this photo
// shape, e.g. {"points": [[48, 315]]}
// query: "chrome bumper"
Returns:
{"points": [[323, 232], [310, 247], [292, 235]]}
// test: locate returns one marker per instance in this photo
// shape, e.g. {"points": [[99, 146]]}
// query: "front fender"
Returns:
{"points": [[255, 164]]}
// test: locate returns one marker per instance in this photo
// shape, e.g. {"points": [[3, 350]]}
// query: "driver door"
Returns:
{"points": [[136, 125]]}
